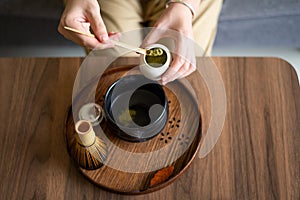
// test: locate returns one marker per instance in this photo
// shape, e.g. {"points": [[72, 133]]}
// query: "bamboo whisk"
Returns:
{"points": [[87, 150]]}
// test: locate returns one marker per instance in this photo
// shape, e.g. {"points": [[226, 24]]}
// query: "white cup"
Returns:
{"points": [[154, 72]]}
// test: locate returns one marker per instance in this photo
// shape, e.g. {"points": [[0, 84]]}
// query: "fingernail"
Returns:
{"points": [[105, 37], [164, 81]]}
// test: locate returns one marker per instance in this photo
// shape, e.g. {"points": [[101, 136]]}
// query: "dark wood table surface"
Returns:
{"points": [[256, 157]]}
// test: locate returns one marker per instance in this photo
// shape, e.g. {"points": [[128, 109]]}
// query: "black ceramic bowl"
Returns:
{"points": [[136, 108]]}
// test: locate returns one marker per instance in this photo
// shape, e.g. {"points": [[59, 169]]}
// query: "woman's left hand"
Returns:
{"points": [[176, 23]]}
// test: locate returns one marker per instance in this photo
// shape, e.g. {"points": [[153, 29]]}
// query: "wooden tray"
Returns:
{"points": [[131, 166]]}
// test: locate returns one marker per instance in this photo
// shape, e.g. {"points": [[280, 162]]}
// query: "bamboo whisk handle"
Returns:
{"points": [[86, 135]]}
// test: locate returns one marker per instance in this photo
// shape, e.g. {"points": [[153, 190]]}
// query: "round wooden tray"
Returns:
{"points": [[136, 168]]}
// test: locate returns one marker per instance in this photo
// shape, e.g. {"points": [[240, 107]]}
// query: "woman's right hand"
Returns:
{"points": [[83, 15]]}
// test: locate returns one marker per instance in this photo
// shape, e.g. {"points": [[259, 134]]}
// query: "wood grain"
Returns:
{"points": [[256, 157], [177, 143]]}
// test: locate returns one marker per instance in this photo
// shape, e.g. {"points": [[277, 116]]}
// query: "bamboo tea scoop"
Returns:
{"points": [[117, 43]]}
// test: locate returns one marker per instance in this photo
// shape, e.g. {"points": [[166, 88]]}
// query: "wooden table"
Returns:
{"points": [[256, 157]]}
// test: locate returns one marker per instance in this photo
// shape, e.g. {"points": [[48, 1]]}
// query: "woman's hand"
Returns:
{"points": [[82, 15], [176, 23]]}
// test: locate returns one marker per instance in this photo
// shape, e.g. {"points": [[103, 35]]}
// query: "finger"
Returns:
{"points": [[155, 35], [175, 65], [182, 48], [82, 40], [114, 36], [191, 69], [184, 68], [79, 24], [85, 41], [111, 35], [179, 73], [97, 25], [192, 66], [151, 38]]}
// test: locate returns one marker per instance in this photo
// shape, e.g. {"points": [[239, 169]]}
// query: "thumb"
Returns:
{"points": [[151, 38], [98, 26]]}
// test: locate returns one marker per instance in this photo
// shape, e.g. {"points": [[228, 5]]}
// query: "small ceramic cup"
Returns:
{"points": [[91, 112], [154, 70]]}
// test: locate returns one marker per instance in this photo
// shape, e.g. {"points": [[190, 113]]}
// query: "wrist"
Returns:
{"points": [[182, 3]]}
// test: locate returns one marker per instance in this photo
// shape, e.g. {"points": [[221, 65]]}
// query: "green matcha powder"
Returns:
{"points": [[156, 57]]}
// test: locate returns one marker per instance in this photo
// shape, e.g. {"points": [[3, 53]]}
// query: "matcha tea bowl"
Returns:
{"points": [[155, 62], [136, 108]]}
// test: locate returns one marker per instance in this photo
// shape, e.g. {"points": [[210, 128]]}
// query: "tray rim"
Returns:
{"points": [[149, 189]]}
